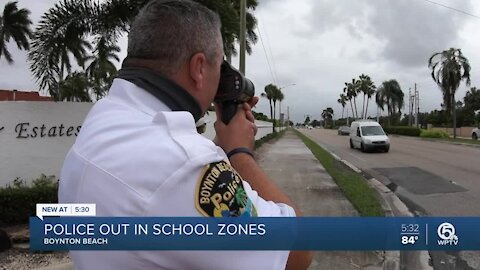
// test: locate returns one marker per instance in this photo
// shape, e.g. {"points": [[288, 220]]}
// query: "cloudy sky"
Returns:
{"points": [[318, 45]]}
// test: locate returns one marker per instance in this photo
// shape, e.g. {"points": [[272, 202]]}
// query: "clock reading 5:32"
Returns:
{"points": [[410, 228]]}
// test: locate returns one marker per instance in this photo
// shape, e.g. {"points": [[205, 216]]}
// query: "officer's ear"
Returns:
{"points": [[197, 66]]}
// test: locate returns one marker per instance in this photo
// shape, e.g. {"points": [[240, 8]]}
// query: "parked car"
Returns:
{"points": [[475, 133], [368, 135], [344, 130]]}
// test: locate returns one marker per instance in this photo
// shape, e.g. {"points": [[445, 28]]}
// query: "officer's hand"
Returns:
{"points": [[248, 113], [253, 101], [240, 131]]}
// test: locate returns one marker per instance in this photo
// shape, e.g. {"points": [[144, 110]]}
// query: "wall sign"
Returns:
{"points": [[36, 136]]}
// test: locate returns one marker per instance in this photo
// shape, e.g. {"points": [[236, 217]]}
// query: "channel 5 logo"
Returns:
{"points": [[446, 233]]}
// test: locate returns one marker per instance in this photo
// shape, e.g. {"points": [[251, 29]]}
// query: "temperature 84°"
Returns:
{"points": [[409, 240]]}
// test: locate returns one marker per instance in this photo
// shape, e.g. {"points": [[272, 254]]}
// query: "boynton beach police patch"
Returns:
{"points": [[220, 193]]}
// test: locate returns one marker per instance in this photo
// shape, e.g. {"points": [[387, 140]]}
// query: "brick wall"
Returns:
{"points": [[9, 95]]}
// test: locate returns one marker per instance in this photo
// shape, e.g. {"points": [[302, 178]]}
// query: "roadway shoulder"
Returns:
{"points": [[392, 206]]}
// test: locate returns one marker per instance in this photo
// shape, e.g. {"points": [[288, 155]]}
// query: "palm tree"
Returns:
{"points": [[351, 90], [229, 11], [74, 88], [307, 120], [472, 105], [390, 94], [370, 93], [73, 44], [15, 24], [346, 92], [326, 115], [343, 101], [270, 94], [366, 87], [101, 69], [472, 99], [71, 21], [449, 68], [61, 32], [277, 96]]}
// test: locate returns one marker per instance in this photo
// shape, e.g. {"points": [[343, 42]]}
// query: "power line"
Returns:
{"points": [[271, 55], [265, 51], [454, 9]]}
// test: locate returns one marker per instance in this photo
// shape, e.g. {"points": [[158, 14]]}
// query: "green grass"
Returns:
{"points": [[353, 185]]}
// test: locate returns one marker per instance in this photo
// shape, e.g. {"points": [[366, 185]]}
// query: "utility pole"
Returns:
{"points": [[288, 116], [243, 27], [413, 106], [410, 107], [417, 103], [348, 124]]}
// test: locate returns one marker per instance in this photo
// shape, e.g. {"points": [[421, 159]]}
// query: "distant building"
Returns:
{"points": [[15, 95]]}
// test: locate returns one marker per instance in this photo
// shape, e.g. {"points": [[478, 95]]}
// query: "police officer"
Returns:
{"points": [[139, 154]]}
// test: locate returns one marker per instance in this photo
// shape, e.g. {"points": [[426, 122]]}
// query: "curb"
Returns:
{"points": [[437, 141], [392, 259], [455, 143]]}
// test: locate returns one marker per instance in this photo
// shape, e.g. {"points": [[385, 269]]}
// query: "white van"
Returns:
{"points": [[368, 135]]}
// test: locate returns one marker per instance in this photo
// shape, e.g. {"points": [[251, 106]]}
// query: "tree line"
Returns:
{"points": [[448, 69]]}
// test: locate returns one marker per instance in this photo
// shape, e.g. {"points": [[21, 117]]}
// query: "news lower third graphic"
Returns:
{"points": [[65, 209], [75, 227]]}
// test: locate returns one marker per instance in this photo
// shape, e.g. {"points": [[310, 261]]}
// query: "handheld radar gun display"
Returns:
{"points": [[233, 89]]}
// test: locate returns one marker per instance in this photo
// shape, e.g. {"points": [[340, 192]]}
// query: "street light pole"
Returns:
{"points": [[280, 103], [288, 115]]}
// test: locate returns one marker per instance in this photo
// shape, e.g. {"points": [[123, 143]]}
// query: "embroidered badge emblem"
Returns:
{"points": [[220, 193]]}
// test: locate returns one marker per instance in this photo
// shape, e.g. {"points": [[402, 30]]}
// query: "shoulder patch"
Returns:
{"points": [[220, 193]]}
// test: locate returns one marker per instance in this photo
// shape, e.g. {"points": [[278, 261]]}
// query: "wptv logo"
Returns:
{"points": [[446, 233]]}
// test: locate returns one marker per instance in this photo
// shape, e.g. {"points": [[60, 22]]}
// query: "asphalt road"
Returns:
{"points": [[431, 178]]}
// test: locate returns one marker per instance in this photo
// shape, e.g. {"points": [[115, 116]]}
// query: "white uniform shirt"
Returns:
{"points": [[135, 157]]}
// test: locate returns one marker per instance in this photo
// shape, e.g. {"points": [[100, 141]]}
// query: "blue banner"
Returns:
{"points": [[303, 233]]}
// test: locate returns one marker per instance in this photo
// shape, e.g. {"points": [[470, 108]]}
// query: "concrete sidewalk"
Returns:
{"points": [[294, 168]]}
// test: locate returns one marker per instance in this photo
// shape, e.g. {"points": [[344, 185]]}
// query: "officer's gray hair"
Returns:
{"points": [[171, 32]]}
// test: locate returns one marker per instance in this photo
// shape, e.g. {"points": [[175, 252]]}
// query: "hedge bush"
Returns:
{"points": [[407, 131], [18, 201], [434, 134]]}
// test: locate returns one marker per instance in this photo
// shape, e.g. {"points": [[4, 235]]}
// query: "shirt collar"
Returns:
{"points": [[167, 91], [134, 96]]}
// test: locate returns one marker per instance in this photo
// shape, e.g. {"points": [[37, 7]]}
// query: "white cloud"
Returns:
{"points": [[320, 44]]}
